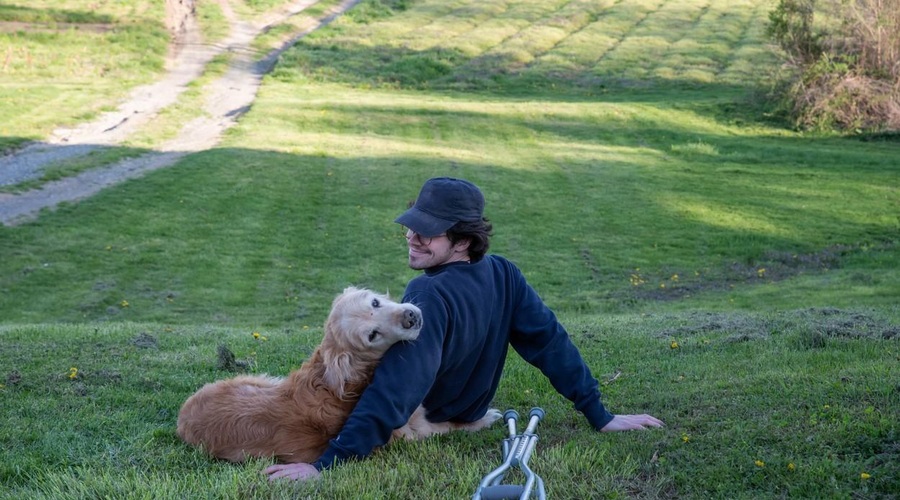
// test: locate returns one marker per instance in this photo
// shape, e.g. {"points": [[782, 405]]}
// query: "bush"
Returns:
{"points": [[846, 56]]}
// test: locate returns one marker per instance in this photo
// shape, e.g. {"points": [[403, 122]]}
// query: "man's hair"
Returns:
{"points": [[478, 233]]}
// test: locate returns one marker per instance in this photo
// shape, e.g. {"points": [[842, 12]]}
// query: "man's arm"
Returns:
{"points": [[542, 341], [399, 385], [386, 404]]}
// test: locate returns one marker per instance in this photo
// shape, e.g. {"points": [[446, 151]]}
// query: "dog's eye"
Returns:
{"points": [[374, 335], [376, 303]]}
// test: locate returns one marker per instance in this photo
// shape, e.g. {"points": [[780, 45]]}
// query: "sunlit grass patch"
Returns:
{"points": [[586, 46], [672, 20], [629, 14], [698, 75], [535, 41], [634, 57], [446, 29], [485, 36]]}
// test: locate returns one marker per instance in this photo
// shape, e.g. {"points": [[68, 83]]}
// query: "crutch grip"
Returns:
{"points": [[510, 416], [535, 416]]}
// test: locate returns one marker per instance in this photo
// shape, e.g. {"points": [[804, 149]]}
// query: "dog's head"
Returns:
{"points": [[362, 325]]}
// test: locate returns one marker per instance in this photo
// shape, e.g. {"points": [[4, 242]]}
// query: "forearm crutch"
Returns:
{"points": [[517, 450]]}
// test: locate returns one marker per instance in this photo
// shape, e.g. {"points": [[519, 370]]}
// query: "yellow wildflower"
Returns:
{"points": [[685, 438], [73, 373], [791, 467], [760, 463], [674, 345], [865, 475], [124, 303]]}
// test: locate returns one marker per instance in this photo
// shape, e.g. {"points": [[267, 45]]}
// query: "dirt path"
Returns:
{"points": [[227, 98]]}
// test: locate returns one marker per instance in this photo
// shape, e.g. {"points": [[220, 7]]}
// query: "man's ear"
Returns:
{"points": [[462, 246]]}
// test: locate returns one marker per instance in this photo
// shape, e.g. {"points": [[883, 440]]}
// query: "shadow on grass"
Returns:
{"points": [[261, 237]]}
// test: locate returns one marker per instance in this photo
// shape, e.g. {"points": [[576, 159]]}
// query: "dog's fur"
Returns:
{"points": [[293, 419]]}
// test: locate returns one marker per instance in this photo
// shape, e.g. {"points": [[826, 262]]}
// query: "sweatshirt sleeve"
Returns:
{"points": [[400, 383], [543, 342]]}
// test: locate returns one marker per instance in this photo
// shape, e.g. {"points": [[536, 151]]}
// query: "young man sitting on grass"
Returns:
{"points": [[474, 307]]}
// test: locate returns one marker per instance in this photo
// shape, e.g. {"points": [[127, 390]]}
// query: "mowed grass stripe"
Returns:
{"points": [[483, 37], [644, 46], [544, 37], [750, 56], [404, 28], [619, 22], [578, 50], [687, 54], [463, 19], [526, 35], [677, 41], [707, 47]]}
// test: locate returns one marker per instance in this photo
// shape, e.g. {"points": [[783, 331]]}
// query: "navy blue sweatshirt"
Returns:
{"points": [[472, 313]]}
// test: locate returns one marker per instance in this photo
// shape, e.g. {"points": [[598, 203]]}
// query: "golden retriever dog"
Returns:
{"points": [[293, 419]]}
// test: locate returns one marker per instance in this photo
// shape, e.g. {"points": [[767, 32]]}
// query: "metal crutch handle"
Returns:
{"points": [[510, 416], [535, 416]]}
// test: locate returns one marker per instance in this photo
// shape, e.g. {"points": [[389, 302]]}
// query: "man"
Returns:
{"points": [[474, 307]]}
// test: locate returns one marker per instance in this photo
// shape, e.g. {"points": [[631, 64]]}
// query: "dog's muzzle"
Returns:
{"points": [[411, 319]]}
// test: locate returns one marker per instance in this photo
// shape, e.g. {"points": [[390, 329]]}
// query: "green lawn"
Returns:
{"points": [[739, 277]]}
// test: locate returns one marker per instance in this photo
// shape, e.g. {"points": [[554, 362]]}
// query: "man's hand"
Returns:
{"points": [[302, 472], [631, 423]]}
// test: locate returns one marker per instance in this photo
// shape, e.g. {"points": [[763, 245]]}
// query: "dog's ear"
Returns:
{"points": [[338, 297], [338, 371]]}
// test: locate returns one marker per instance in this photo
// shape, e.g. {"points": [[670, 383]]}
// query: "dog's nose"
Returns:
{"points": [[411, 319]]}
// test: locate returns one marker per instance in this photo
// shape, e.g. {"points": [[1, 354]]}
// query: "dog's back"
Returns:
{"points": [[226, 418], [257, 416]]}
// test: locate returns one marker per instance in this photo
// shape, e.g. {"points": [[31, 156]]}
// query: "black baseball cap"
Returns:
{"points": [[442, 202]]}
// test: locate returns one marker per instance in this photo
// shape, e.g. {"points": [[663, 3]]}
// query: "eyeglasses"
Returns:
{"points": [[423, 240]]}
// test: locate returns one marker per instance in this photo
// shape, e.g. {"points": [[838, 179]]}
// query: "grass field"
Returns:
{"points": [[733, 277]]}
